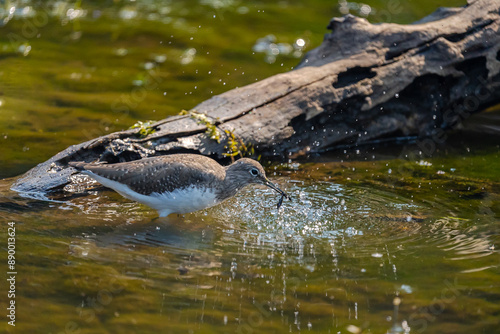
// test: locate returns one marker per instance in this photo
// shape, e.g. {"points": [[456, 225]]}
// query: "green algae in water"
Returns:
{"points": [[360, 229]]}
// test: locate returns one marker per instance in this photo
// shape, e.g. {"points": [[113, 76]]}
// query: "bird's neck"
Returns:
{"points": [[230, 186]]}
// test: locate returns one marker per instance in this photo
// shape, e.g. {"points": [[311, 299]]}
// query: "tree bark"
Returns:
{"points": [[365, 83]]}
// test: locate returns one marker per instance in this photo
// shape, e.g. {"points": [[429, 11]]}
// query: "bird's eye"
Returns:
{"points": [[254, 172]]}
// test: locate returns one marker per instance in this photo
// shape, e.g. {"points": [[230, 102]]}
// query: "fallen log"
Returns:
{"points": [[364, 83]]}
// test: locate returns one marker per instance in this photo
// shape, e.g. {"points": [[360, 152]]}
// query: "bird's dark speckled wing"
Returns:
{"points": [[161, 174]]}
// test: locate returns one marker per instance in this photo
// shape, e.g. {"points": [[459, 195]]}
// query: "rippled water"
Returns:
{"points": [[336, 258]]}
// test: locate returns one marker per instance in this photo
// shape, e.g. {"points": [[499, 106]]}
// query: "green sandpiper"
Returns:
{"points": [[178, 183]]}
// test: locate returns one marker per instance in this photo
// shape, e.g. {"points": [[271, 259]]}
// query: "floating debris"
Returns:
{"points": [[424, 163], [361, 9], [121, 52], [188, 56], [272, 49]]}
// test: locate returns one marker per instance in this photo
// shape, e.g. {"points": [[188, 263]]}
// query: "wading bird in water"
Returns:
{"points": [[178, 183]]}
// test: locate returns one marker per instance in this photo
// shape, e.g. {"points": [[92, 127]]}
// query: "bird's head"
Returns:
{"points": [[246, 171]]}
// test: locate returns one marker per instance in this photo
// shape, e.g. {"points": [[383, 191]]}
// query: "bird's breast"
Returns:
{"points": [[184, 200]]}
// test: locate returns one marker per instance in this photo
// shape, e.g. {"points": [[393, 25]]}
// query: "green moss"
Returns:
{"points": [[145, 128], [235, 146], [212, 131]]}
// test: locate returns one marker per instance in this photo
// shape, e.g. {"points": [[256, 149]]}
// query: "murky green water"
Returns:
{"points": [[367, 228]]}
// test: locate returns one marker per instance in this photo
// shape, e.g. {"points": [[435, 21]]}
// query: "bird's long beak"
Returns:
{"points": [[274, 187]]}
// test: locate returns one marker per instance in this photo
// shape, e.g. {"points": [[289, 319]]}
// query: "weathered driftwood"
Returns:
{"points": [[364, 83]]}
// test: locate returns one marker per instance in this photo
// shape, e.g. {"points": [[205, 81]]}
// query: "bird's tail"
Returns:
{"points": [[79, 165]]}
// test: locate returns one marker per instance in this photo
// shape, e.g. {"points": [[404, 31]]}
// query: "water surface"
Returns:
{"points": [[369, 231]]}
